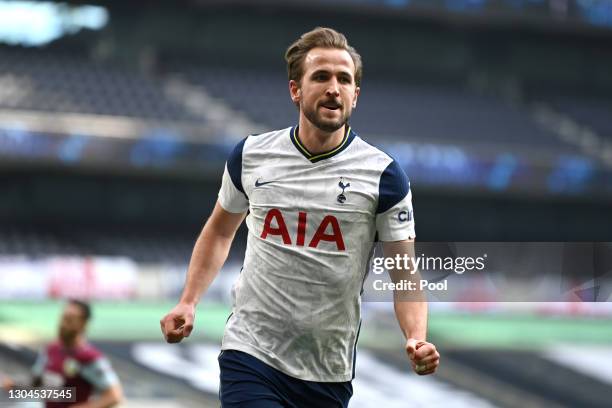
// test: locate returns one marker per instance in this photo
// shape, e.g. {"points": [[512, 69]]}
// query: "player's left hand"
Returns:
{"points": [[6, 382], [424, 357]]}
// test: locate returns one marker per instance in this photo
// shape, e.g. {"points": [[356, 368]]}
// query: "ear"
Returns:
{"points": [[294, 91], [357, 91]]}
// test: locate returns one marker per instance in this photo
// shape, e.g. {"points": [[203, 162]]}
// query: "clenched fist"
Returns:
{"points": [[178, 324], [424, 357]]}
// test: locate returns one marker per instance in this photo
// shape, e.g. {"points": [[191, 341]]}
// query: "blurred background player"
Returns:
{"points": [[71, 361]]}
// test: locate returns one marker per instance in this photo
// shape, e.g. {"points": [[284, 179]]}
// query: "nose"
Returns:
{"points": [[333, 89]]}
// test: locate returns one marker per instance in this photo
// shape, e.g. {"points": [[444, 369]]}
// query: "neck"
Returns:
{"points": [[73, 342], [316, 140]]}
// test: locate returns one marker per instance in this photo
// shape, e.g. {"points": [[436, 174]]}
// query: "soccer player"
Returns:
{"points": [[72, 362], [316, 195]]}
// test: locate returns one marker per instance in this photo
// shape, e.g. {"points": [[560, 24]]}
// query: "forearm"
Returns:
{"points": [[412, 318], [209, 254], [410, 307], [410, 304]]}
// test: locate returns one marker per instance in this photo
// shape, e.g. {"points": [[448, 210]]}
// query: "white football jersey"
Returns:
{"points": [[312, 221]]}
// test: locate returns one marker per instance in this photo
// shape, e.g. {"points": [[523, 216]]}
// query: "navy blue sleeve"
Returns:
{"points": [[234, 165], [393, 187]]}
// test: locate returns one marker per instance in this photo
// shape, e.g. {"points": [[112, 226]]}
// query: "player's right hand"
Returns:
{"points": [[178, 324]]}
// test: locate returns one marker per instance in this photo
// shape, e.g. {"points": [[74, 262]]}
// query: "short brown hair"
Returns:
{"points": [[322, 37], [84, 306]]}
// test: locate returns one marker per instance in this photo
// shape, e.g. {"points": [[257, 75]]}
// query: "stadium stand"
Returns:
{"points": [[140, 246], [43, 81], [389, 111], [590, 111]]}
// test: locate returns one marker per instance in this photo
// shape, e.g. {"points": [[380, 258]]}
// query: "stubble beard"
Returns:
{"points": [[322, 124]]}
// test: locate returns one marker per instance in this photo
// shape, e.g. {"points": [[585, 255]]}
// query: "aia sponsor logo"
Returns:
{"points": [[328, 230]]}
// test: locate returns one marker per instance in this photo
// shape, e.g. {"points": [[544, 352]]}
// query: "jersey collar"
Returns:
{"points": [[349, 135]]}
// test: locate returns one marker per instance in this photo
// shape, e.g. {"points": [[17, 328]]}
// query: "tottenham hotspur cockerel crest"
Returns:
{"points": [[341, 197]]}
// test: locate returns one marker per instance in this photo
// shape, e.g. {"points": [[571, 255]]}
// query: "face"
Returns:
{"points": [[327, 92], [72, 322]]}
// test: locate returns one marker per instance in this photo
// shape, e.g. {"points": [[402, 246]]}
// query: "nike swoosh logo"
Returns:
{"points": [[259, 184]]}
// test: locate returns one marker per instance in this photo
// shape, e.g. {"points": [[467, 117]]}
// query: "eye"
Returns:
{"points": [[345, 80]]}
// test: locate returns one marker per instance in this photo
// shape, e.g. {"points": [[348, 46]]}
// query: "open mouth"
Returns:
{"points": [[331, 106]]}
